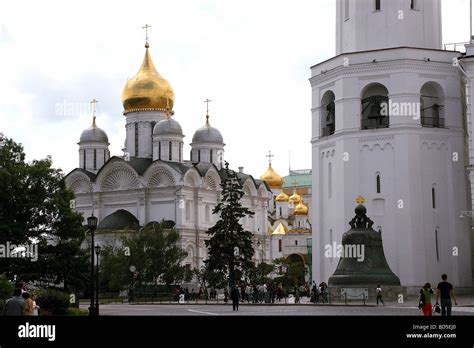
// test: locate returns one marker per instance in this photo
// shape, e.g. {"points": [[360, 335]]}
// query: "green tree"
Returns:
{"points": [[35, 208], [6, 289], [155, 254], [230, 246], [260, 273], [114, 269], [291, 273]]}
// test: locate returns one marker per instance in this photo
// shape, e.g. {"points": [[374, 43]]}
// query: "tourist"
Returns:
{"points": [[425, 300], [235, 297], [15, 305], [379, 295], [226, 295], [446, 291], [28, 304], [36, 308]]}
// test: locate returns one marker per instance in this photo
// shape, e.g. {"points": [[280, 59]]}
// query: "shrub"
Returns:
{"points": [[77, 312], [6, 289], [52, 302]]}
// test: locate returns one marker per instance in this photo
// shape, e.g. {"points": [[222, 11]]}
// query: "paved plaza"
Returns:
{"points": [[391, 309]]}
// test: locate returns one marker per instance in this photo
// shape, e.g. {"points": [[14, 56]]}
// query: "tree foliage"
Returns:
{"points": [[290, 273], [230, 246], [35, 208], [153, 252], [260, 274]]}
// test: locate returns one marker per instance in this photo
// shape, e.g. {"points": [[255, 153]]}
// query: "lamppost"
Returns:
{"points": [[97, 252], [92, 224]]}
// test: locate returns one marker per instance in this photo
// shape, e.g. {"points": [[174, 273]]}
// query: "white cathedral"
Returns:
{"points": [[408, 160], [152, 181]]}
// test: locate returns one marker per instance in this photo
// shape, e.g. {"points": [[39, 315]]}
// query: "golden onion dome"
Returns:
{"points": [[295, 198], [272, 179], [282, 197], [147, 90], [301, 209]]}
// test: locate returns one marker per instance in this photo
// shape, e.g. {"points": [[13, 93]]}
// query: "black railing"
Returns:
{"points": [[375, 122], [329, 130], [432, 122]]}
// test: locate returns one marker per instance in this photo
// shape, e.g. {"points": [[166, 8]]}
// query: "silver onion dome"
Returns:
{"points": [[168, 126]]}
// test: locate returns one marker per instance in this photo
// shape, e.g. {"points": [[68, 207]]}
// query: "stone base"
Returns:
{"points": [[390, 293]]}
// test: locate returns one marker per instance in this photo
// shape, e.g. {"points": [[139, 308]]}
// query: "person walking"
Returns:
{"points": [[445, 290], [379, 295], [425, 300], [235, 297], [15, 306]]}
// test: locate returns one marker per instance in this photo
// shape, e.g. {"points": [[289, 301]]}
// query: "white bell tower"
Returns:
{"points": [[364, 25], [387, 124]]}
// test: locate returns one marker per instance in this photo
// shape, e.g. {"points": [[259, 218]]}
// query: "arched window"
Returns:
{"points": [[329, 180], [378, 183], [296, 243], [377, 5], [413, 5], [95, 159], [136, 139], [159, 150], [432, 105], [279, 245], [84, 159], [207, 213], [328, 114], [433, 197], [212, 156], [437, 244], [346, 10], [375, 107], [188, 211], [199, 155], [180, 150], [170, 151], [281, 212]]}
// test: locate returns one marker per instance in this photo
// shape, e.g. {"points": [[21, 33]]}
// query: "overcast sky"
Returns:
{"points": [[251, 57]]}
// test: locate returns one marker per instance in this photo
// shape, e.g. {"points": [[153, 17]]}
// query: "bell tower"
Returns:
{"points": [[364, 25], [387, 124]]}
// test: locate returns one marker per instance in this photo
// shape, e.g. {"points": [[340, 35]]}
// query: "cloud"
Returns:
{"points": [[252, 58]]}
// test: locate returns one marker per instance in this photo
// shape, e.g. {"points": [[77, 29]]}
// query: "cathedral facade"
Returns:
{"points": [[388, 124], [152, 181]]}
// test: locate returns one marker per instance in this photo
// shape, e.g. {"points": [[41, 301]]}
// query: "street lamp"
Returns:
{"points": [[92, 224], [97, 252]]}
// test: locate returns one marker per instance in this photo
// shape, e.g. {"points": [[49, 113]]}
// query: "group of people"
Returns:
{"points": [[256, 293], [21, 304], [319, 293], [444, 292]]}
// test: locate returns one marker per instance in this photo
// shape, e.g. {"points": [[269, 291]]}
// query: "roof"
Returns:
{"points": [[301, 179], [280, 230], [120, 220]]}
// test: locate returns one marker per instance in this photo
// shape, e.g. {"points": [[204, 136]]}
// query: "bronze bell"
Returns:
{"points": [[371, 268]]}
